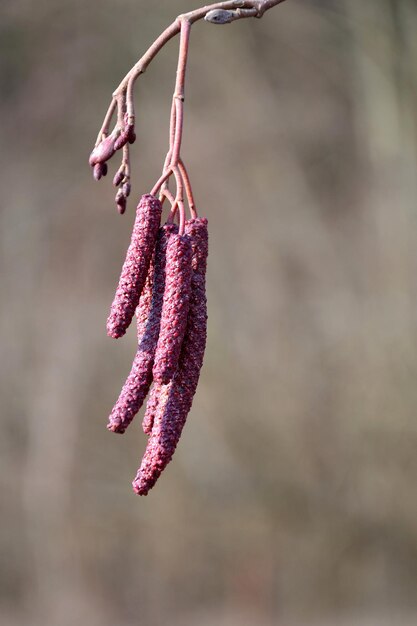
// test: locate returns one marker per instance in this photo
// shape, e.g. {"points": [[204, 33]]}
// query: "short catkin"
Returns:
{"points": [[173, 400], [148, 315], [175, 307], [136, 265]]}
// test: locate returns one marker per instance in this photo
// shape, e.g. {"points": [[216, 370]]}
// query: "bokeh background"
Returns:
{"points": [[291, 499]]}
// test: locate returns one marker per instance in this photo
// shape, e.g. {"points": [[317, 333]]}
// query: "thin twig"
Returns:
{"points": [[188, 188], [104, 130], [171, 144], [122, 99], [260, 7]]}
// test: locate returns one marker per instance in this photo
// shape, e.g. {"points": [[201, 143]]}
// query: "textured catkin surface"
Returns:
{"points": [[174, 308], [136, 265], [151, 406], [143, 309], [170, 403], [148, 315]]}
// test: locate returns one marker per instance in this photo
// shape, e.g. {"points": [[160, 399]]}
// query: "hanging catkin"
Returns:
{"points": [[175, 307], [148, 315], [173, 400], [136, 265]]}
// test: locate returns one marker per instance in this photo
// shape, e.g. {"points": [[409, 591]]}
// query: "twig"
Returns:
{"points": [[255, 8], [122, 99]]}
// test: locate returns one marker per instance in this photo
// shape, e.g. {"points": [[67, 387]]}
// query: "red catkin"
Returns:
{"points": [[174, 399], [197, 230], [175, 307], [148, 315], [151, 406], [139, 380], [136, 265]]}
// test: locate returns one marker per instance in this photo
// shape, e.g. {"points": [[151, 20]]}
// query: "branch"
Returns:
{"points": [[236, 9], [123, 133], [217, 13]]}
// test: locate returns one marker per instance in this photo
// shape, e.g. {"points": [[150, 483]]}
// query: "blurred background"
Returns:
{"points": [[291, 499]]}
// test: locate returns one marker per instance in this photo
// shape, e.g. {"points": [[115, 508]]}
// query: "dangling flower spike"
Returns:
{"points": [[163, 278]]}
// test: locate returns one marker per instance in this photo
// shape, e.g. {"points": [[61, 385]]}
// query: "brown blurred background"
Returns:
{"points": [[291, 499]]}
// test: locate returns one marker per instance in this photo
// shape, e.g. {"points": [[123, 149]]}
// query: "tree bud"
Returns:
{"points": [[103, 152]]}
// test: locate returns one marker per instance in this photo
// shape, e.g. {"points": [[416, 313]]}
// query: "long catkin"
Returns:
{"points": [[196, 229], [174, 399], [175, 307], [148, 315], [136, 265]]}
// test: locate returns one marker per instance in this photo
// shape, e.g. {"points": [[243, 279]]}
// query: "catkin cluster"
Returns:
{"points": [[163, 280], [163, 276]]}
